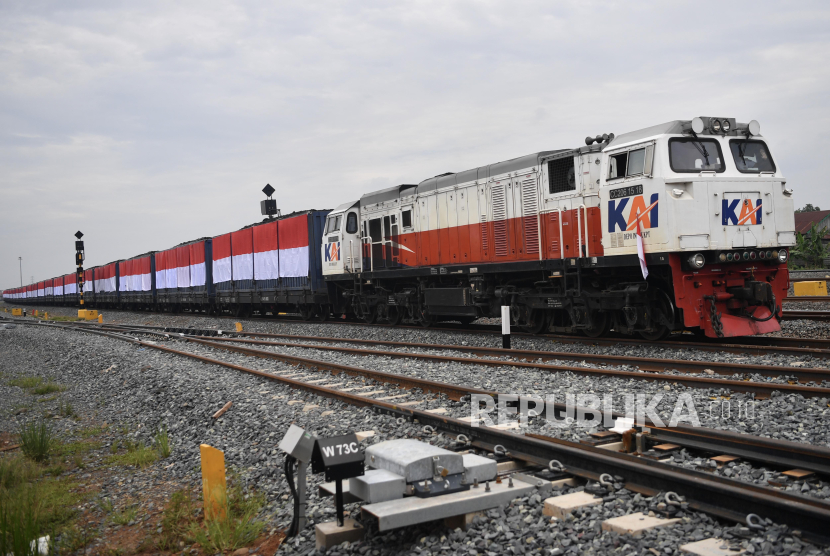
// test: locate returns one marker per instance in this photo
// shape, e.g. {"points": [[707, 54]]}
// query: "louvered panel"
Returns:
{"points": [[530, 210], [500, 220]]}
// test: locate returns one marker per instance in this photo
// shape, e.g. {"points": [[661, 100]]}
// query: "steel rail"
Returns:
{"points": [[758, 388], [806, 315], [719, 496], [644, 363], [808, 299]]}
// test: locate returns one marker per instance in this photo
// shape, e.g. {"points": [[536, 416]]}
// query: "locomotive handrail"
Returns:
{"points": [[587, 237], [561, 243]]}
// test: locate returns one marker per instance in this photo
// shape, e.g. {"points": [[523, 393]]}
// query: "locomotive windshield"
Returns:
{"points": [[751, 156], [695, 155]]}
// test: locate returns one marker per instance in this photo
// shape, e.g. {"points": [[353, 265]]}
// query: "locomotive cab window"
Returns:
{"points": [[333, 224], [751, 157], [636, 162], [561, 175], [406, 218], [351, 223], [690, 154]]}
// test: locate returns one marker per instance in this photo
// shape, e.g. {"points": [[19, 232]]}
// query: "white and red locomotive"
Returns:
{"points": [[553, 235]]}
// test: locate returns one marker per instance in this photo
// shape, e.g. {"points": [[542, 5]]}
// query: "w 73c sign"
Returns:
{"points": [[750, 213]]}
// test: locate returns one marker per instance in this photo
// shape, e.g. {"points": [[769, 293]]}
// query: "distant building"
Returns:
{"points": [[821, 218]]}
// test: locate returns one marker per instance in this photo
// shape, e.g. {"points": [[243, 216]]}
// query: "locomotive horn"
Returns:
{"points": [[589, 140]]}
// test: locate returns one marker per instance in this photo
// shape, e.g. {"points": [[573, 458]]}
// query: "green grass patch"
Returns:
{"points": [[64, 319], [48, 388], [91, 431], [65, 409], [162, 442], [176, 521], [124, 516], [64, 449], [37, 440], [26, 382], [49, 399], [31, 504], [138, 455], [238, 528]]}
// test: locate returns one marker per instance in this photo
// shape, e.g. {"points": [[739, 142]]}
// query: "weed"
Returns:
{"points": [[55, 470], [176, 521], [36, 440], [75, 538], [106, 505], [26, 382], [78, 460], [138, 455], [125, 516], [65, 319], [16, 470], [48, 388], [91, 431], [115, 446], [18, 520], [238, 528], [49, 399], [162, 441], [64, 449], [65, 409]]}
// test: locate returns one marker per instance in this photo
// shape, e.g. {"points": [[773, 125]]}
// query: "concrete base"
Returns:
{"points": [[635, 524], [461, 521], [560, 506], [329, 534], [709, 547]]}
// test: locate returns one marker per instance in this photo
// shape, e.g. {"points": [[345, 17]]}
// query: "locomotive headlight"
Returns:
{"points": [[783, 256], [697, 261], [722, 257], [715, 126], [726, 125]]}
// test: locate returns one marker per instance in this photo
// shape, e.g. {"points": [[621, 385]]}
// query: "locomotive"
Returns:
{"points": [[552, 235]]}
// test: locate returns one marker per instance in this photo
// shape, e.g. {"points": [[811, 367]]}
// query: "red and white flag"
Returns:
{"points": [[640, 252]]}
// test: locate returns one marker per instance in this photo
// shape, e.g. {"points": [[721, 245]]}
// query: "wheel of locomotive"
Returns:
{"points": [[306, 311], [395, 315], [425, 319], [370, 316], [658, 332], [601, 324], [536, 322], [321, 313]]}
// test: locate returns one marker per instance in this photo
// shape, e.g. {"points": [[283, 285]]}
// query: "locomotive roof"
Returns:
{"points": [[675, 127]]}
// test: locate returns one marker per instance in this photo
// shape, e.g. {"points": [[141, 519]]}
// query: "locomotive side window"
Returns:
{"points": [[690, 154], [617, 165], [636, 162], [751, 157], [561, 175], [406, 218], [333, 224], [351, 223]]}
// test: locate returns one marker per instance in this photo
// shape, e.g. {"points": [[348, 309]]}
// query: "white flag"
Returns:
{"points": [[640, 252]]}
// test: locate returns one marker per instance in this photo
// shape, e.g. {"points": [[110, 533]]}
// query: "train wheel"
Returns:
{"points": [[600, 325], [395, 315], [371, 316], [305, 312], [657, 333], [536, 322], [322, 313]]}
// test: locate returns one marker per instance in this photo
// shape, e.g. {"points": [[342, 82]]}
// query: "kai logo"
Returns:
{"points": [[622, 213], [333, 252], [749, 215]]}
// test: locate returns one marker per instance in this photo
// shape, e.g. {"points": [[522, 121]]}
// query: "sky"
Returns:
{"points": [[146, 124]]}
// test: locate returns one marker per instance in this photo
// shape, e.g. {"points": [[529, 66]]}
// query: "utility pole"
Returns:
{"points": [[21, 270], [79, 260]]}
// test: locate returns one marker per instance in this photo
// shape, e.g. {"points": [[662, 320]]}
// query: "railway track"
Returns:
{"points": [[809, 299], [722, 497], [806, 315]]}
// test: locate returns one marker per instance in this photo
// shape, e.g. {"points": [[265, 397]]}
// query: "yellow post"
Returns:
{"points": [[239, 327], [34, 313], [214, 487], [100, 318], [45, 316]]}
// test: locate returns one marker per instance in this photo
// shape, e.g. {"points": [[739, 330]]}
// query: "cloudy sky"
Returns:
{"points": [[145, 124]]}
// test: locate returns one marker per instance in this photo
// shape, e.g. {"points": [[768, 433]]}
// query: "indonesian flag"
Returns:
{"points": [[640, 252]]}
